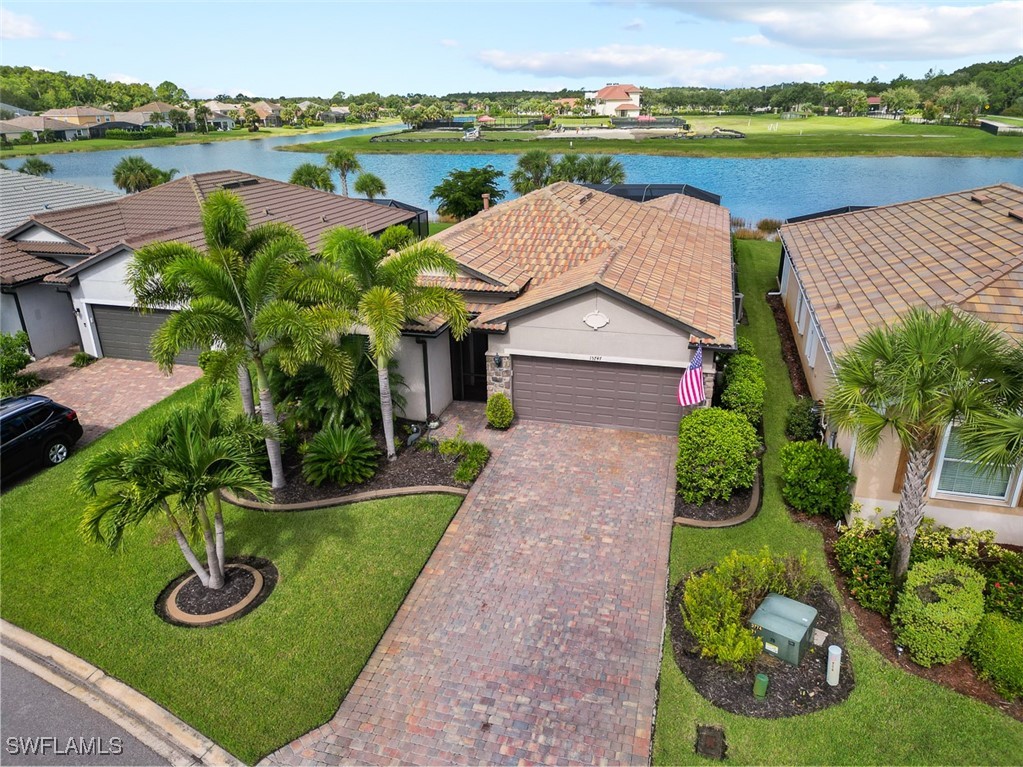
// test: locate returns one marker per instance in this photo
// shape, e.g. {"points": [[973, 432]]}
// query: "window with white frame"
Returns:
{"points": [[811, 344], [785, 269], [801, 312], [960, 475]]}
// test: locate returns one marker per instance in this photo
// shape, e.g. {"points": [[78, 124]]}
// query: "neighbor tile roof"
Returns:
{"points": [[155, 106], [617, 92], [864, 269], [77, 111], [171, 211], [674, 258], [21, 195], [17, 266], [30, 123]]}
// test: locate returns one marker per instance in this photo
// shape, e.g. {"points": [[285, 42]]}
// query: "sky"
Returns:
{"points": [[300, 48]]}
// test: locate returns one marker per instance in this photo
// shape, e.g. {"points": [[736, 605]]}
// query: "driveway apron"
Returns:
{"points": [[534, 633]]}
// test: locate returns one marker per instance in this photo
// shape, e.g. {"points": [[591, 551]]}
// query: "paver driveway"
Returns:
{"points": [[534, 633]]}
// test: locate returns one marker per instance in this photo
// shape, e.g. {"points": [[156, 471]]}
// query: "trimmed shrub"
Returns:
{"points": [[745, 386], [14, 354], [718, 603], [717, 455], [996, 651], [345, 455], [82, 360], [803, 422], [816, 479], [500, 412], [864, 554], [938, 610]]}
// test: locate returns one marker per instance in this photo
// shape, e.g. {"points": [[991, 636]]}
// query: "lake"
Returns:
{"points": [[750, 188]]}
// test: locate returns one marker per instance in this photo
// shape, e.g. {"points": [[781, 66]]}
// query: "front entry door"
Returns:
{"points": [[469, 367]]}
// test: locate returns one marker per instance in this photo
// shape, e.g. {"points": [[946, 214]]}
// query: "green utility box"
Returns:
{"points": [[785, 626]]}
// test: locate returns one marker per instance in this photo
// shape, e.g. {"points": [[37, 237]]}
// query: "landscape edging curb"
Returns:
{"points": [[326, 503]]}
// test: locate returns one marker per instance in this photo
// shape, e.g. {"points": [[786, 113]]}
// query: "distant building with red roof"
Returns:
{"points": [[616, 100]]}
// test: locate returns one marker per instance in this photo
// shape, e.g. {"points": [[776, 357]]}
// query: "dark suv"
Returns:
{"points": [[35, 429]]}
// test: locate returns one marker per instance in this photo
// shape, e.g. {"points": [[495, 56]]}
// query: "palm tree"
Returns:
{"points": [[915, 379], [178, 469], [567, 168], [601, 169], [34, 166], [532, 172], [135, 174], [254, 294], [384, 293], [370, 185], [344, 162], [313, 176]]}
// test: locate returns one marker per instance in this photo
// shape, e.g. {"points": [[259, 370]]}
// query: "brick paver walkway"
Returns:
{"points": [[533, 635], [110, 391]]}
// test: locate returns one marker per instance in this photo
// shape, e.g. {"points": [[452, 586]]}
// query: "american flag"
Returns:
{"points": [[690, 388]]}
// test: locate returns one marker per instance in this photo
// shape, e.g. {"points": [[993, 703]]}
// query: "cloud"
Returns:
{"points": [[869, 29], [449, 43], [15, 26], [607, 61], [119, 77], [636, 25], [766, 74], [751, 40]]}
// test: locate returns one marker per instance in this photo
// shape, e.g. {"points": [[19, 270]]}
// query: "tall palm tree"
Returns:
{"points": [[34, 166], [384, 293], [567, 168], [914, 380], [178, 468], [370, 185], [313, 176], [601, 169], [344, 162], [252, 293], [136, 174], [533, 171]]}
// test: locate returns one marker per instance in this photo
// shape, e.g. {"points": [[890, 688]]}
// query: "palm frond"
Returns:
{"points": [[382, 311], [427, 301], [224, 219], [145, 274], [354, 252], [403, 269]]}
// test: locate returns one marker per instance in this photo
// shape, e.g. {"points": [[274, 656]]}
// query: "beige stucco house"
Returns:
{"points": [[615, 100], [843, 274]]}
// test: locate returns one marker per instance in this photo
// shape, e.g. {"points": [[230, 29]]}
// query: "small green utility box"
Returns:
{"points": [[785, 626]]}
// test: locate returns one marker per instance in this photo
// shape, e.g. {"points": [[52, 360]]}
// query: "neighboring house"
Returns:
{"points": [[566, 105], [25, 302], [15, 111], [334, 114], [13, 129], [161, 108], [214, 120], [269, 114], [614, 100], [842, 275], [222, 106], [94, 243], [874, 105], [80, 115], [587, 308]]}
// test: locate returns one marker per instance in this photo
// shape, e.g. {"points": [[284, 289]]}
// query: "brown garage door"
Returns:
{"points": [[125, 333], [607, 394]]}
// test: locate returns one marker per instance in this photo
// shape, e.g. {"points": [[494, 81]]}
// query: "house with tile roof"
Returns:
{"points": [[616, 100], [25, 302], [11, 130], [842, 275], [88, 247], [586, 306], [80, 115]]}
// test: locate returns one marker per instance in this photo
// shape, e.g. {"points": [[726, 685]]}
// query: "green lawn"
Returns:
{"points": [[253, 684], [891, 717], [767, 136], [437, 226], [101, 144]]}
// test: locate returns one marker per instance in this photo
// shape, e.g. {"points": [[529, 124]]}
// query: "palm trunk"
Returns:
{"points": [[212, 563], [266, 407], [218, 529], [386, 407], [911, 511], [344, 184], [190, 557], [245, 387]]}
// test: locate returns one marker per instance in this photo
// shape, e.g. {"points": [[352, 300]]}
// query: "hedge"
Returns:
{"points": [[717, 455]]}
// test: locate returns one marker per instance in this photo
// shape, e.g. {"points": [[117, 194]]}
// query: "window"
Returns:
{"points": [[801, 312], [811, 345], [960, 475], [785, 269]]}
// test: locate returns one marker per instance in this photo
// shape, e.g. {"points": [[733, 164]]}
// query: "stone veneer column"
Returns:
{"points": [[499, 379]]}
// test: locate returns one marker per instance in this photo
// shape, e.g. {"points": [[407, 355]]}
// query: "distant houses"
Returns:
{"points": [[616, 100]]}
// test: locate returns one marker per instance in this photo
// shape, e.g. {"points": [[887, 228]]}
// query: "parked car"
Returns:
{"points": [[35, 430]]}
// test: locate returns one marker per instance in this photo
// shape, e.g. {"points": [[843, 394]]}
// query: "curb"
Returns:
{"points": [[142, 718], [754, 507], [326, 503]]}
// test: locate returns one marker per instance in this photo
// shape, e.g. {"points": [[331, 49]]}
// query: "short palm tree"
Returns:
{"points": [[914, 380], [253, 294], [370, 185], [344, 162], [532, 172], [177, 469], [384, 293], [567, 168], [313, 176], [34, 166], [136, 174], [601, 169]]}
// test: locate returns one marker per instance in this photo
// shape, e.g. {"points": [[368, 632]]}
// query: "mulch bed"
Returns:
{"points": [[196, 599], [789, 349], [791, 690], [958, 675], [715, 511], [413, 466]]}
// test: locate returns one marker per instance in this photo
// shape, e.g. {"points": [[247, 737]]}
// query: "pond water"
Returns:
{"points": [[750, 188]]}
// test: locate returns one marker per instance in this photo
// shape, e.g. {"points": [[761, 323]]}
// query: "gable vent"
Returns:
{"points": [[1016, 214], [983, 199], [236, 184]]}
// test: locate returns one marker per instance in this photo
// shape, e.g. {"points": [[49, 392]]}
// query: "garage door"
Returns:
{"points": [[635, 397], [124, 333]]}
